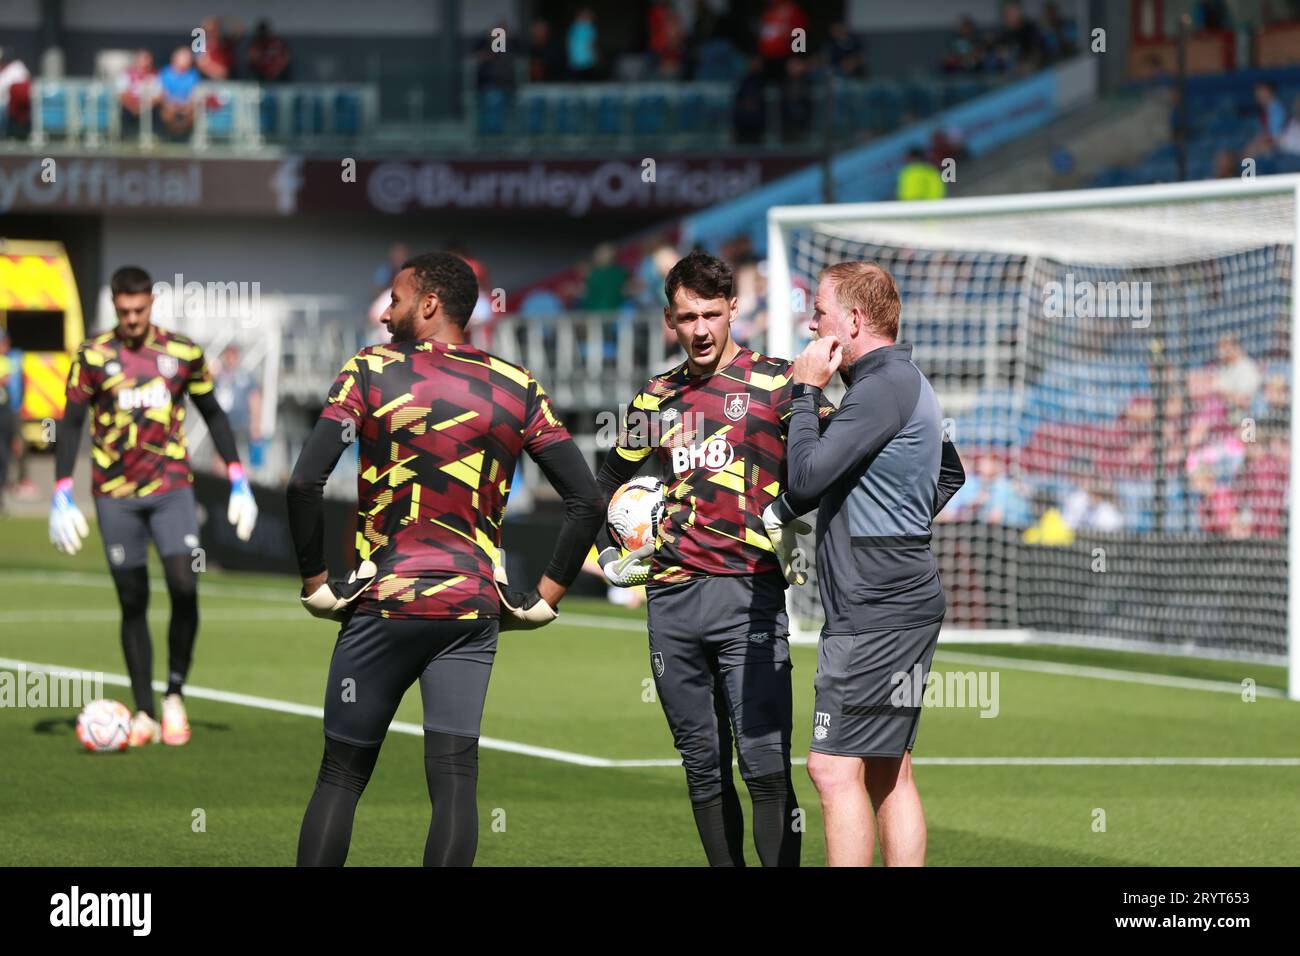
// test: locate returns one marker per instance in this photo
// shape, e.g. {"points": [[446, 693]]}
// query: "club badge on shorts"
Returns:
{"points": [[736, 405], [167, 365], [657, 662], [821, 725]]}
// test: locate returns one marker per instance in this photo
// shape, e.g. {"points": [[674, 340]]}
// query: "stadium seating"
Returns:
{"points": [[692, 114], [1221, 115]]}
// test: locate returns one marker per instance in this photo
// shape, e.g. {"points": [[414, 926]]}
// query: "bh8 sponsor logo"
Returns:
{"points": [[715, 455]]}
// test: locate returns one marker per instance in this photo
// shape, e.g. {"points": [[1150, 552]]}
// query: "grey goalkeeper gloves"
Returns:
{"points": [[333, 600], [520, 610]]}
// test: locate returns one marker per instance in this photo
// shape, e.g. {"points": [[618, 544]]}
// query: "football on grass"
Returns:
{"points": [[634, 513], [104, 726]]}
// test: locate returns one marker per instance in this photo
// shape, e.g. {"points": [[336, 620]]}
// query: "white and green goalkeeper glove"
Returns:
{"points": [[783, 527], [626, 570]]}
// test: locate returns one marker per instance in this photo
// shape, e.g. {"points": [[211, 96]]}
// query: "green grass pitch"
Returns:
{"points": [[577, 687]]}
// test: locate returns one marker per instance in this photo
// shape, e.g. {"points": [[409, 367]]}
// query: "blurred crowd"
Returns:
{"points": [[1018, 45], [223, 51], [1219, 440]]}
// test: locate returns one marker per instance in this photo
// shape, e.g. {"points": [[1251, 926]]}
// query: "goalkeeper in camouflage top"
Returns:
{"points": [[719, 651], [441, 426], [132, 382]]}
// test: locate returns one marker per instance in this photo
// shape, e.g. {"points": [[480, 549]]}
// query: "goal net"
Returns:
{"points": [[1114, 367]]}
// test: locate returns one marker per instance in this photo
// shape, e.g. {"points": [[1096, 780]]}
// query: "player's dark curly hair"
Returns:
{"points": [[705, 275], [130, 280], [448, 277]]}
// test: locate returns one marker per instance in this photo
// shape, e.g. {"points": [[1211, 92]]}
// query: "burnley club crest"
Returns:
{"points": [[735, 405]]}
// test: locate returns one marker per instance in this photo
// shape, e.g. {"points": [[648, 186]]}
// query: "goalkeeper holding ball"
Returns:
{"points": [[719, 647]]}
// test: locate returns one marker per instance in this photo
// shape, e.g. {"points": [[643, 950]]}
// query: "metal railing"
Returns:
{"points": [[243, 115]]}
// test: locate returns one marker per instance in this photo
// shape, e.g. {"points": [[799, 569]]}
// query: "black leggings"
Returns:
{"points": [[451, 771], [133, 596]]}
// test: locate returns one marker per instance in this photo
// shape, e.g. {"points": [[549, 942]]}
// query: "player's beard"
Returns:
{"points": [[402, 328]]}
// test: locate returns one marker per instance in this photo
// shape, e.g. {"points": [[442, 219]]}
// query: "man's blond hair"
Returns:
{"points": [[869, 288]]}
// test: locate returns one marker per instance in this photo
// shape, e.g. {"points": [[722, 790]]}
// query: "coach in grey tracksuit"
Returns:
{"points": [[881, 470]]}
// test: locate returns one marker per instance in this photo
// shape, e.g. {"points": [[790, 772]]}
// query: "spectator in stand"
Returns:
{"points": [[495, 69], [268, 55], [177, 80], [967, 50], [1213, 16], [1262, 486], [581, 45], [1237, 378], [1216, 505], [1060, 40], [796, 101], [993, 496], [1226, 165], [541, 303], [1208, 414], [605, 282], [546, 63], [216, 61], [1050, 529], [15, 96], [1272, 120], [138, 87], [1289, 140], [776, 36], [666, 37], [749, 113], [1092, 509], [1019, 47], [457, 248], [946, 143], [848, 57], [1271, 406], [919, 179], [651, 273]]}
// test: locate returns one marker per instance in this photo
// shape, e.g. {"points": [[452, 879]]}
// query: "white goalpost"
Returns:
{"points": [[1114, 367]]}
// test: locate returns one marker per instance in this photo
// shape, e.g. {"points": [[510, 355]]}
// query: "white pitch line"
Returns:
{"points": [[91, 616], [83, 579], [1106, 673], [586, 760], [308, 710]]}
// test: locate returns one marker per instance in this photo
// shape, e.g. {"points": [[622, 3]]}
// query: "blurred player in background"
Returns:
{"points": [[881, 471], [719, 646], [132, 383], [441, 426]]}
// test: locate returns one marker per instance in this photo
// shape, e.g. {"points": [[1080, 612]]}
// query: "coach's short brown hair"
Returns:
{"points": [[869, 288]]}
